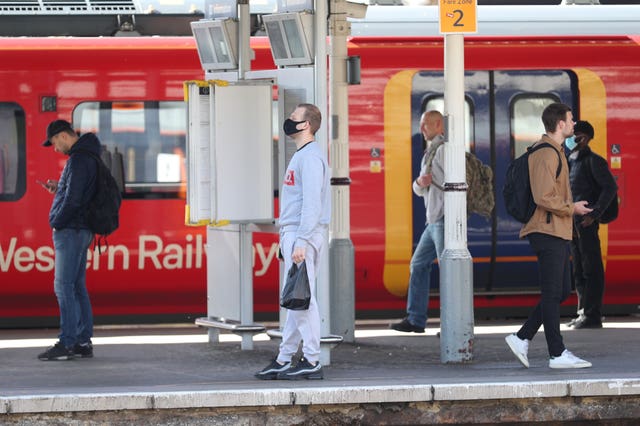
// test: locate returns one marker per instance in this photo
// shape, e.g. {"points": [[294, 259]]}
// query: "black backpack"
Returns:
{"points": [[104, 207], [518, 199]]}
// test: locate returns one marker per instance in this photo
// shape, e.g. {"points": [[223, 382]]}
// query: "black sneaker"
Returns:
{"points": [[303, 370], [587, 322], [57, 352], [270, 372], [83, 350], [406, 326]]}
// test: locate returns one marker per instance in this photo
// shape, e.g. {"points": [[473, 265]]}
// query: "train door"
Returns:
{"points": [[519, 97], [502, 118], [427, 94]]}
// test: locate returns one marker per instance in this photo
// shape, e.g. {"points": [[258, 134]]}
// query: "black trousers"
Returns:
{"points": [[554, 275], [588, 271]]}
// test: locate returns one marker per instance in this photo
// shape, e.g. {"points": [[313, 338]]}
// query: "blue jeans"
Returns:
{"points": [[429, 248], [554, 274], [76, 317]]}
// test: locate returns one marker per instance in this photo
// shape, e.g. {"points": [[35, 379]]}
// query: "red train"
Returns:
{"points": [[130, 92]]}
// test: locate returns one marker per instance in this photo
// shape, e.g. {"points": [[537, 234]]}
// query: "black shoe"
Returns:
{"points": [[587, 322], [303, 370], [57, 352], [406, 326], [270, 372], [83, 350]]}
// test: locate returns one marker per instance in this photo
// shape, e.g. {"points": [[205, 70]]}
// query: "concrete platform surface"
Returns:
{"points": [[174, 367]]}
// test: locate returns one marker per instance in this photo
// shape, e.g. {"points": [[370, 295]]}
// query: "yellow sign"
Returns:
{"points": [[458, 16]]}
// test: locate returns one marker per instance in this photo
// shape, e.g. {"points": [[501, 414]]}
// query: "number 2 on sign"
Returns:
{"points": [[453, 14]]}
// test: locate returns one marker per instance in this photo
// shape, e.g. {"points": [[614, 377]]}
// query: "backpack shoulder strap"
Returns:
{"points": [[532, 149], [431, 153]]}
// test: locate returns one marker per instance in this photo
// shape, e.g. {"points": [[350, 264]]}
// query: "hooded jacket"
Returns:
{"points": [[76, 186]]}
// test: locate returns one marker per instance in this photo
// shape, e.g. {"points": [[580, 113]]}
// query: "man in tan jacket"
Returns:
{"points": [[549, 232]]}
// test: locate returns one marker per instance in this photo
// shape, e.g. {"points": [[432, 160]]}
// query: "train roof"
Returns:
{"points": [[574, 20], [123, 17]]}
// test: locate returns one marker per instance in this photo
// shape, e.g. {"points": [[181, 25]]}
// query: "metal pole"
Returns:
{"points": [[456, 266], [341, 254], [246, 285], [244, 37], [323, 291], [246, 236]]}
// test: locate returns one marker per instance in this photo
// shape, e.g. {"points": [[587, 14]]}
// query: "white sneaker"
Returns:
{"points": [[568, 360], [519, 347]]}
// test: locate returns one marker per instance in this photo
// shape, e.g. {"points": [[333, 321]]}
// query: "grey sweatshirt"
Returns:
{"points": [[305, 199]]}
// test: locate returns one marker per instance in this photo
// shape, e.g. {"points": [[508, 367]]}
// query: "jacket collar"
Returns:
{"points": [[553, 143]]}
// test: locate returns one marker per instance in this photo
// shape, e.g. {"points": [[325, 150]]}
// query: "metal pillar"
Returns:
{"points": [[246, 284], [456, 266], [244, 37], [341, 253], [323, 292]]}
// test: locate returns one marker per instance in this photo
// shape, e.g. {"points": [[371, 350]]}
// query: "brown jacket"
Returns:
{"points": [[554, 211]]}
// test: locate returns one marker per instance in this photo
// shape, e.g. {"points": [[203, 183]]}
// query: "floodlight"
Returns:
{"points": [[291, 38], [217, 43]]}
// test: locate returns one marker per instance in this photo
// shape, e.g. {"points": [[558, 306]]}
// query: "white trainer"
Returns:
{"points": [[568, 360], [519, 347]]}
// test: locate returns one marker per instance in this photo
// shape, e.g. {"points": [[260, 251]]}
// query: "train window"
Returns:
{"points": [[150, 135], [437, 103], [12, 152], [526, 122]]}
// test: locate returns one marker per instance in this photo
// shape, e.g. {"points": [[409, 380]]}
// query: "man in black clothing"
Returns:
{"points": [[590, 180]]}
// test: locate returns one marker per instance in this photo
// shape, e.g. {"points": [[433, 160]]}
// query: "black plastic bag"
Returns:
{"points": [[296, 293]]}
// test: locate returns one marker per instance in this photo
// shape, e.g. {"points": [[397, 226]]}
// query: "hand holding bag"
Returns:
{"points": [[296, 293]]}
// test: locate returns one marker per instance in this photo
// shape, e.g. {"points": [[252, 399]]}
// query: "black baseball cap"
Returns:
{"points": [[54, 128], [584, 127]]}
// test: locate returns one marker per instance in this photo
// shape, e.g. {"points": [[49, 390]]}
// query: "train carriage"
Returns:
{"points": [[130, 92]]}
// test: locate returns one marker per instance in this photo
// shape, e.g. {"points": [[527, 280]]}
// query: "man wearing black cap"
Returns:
{"points": [[590, 180], [71, 239]]}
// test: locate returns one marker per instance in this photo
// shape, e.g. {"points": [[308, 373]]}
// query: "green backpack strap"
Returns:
{"points": [[431, 153]]}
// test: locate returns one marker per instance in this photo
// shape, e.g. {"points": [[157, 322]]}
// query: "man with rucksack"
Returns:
{"points": [[592, 181], [431, 242], [71, 238], [549, 232]]}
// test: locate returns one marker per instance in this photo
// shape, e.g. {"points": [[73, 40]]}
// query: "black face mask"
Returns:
{"points": [[289, 126]]}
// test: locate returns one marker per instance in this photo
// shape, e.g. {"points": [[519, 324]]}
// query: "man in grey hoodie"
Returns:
{"points": [[305, 211]]}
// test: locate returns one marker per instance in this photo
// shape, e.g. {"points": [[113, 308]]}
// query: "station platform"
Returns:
{"points": [[172, 375]]}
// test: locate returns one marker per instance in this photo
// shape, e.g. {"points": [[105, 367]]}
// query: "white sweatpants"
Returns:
{"points": [[302, 325]]}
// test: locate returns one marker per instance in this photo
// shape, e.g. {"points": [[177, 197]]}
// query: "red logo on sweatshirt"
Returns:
{"points": [[289, 178]]}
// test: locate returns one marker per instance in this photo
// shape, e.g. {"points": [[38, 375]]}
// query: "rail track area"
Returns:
{"points": [[172, 375]]}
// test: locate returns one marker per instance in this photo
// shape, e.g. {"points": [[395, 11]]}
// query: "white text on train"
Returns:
{"points": [[152, 253]]}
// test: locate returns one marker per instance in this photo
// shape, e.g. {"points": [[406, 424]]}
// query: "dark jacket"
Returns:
{"points": [[592, 181], [76, 186]]}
